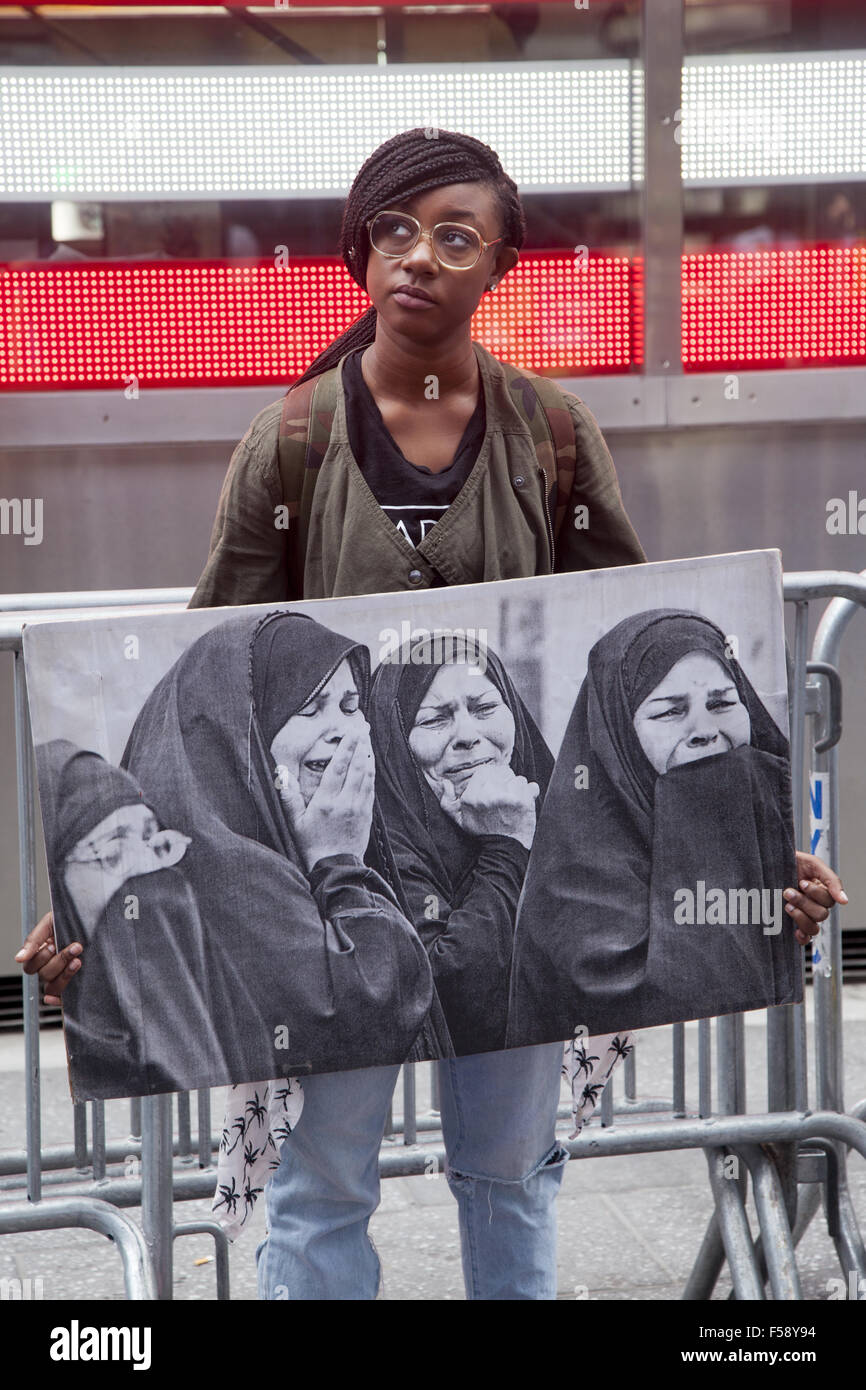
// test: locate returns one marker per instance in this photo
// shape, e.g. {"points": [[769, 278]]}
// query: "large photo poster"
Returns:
{"points": [[359, 831]]}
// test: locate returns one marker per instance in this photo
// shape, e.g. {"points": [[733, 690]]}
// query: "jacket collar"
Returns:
{"points": [[501, 412]]}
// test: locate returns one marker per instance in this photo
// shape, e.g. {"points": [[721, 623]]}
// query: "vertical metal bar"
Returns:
{"points": [[410, 1130], [630, 1073], [731, 1064], [27, 890], [781, 1094], [726, 1066], [731, 1082], [79, 1128], [798, 709], [97, 1120], [202, 1111], [739, 1028], [781, 1060], [829, 1090], [434, 1087], [679, 1065], [705, 1069], [827, 995], [135, 1117], [788, 1089], [662, 190], [801, 1058], [184, 1132], [156, 1189], [607, 1103]]}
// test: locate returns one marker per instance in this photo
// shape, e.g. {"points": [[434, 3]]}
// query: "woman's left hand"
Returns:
{"points": [[819, 888]]}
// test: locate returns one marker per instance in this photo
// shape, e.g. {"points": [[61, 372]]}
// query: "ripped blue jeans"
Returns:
{"points": [[504, 1167]]}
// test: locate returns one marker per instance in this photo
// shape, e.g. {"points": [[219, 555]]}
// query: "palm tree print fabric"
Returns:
{"points": [[259, 1117], [587, 1066]]}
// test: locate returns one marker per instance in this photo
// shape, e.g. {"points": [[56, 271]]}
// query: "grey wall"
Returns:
{"points": [[127, 516]]}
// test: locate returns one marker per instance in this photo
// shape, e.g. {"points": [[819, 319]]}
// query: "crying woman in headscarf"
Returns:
{"points": [[654, 890], [461, 768], [256, 743]]}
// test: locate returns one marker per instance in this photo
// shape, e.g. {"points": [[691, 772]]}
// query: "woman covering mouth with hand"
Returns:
{"points": [[461, 767], [256, 740]]}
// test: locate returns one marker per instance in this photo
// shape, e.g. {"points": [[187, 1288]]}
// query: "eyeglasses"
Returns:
{"points": [[454, 245]]}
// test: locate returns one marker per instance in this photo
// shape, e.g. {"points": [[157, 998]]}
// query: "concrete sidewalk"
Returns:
{"points": [[629, 1227]]}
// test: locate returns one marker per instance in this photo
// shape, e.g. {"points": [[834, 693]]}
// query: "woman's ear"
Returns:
{"points": [[505, 261]]}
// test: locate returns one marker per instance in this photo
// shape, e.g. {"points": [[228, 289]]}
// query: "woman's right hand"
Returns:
{"points": [[39, 954], [495, 801], [338, 817]]}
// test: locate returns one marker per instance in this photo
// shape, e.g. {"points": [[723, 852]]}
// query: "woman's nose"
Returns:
{"points": [[421, 256], [704, 730], [465, 729], [338, 726]]}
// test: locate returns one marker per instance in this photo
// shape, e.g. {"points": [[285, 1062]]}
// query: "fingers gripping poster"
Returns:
{"points": [[360, 831]]}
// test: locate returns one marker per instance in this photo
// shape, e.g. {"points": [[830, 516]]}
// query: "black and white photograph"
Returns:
{"points": [[359, 831], [654, 891]]}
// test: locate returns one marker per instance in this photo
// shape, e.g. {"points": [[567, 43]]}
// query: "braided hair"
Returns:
{"points": [[402, 167]]}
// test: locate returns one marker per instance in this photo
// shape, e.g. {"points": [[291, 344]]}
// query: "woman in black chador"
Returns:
{"points": [[672, 780], [459, 765], [139, 1018], [257, 744]]}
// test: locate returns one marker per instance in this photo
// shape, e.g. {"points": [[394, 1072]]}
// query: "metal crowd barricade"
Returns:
{"points": [[788, 1148]]}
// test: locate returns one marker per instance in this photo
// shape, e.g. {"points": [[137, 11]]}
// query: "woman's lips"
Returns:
{"points": [[465, 769], [317, 764], [412, 301]]}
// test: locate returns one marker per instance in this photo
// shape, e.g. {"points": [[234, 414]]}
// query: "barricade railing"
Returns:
{"points": [[784, 1149]]}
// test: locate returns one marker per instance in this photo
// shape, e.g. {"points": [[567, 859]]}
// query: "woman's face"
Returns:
{"points": [[456, 294], [693, 713], [129, 842], [308, 740], [461, 723]]}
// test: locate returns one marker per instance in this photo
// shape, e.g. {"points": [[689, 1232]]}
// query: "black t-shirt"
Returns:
{"points": [[411, 495]]}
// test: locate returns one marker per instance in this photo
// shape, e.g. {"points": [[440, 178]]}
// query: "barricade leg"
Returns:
{"points": [[734, 1229], [90, 1212], [221, 1250], [776, 1243], [708, 1264], [156, 1188]]}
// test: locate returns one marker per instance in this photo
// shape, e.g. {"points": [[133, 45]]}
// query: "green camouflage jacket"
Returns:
{"points": [[498, 526]]}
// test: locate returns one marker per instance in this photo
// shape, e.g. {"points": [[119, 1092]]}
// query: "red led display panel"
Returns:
{"points": [[243, 323], [803, 307], [183, 323]]}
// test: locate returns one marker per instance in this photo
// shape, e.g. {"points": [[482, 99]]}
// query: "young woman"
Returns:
{"points": [[660, 702], [461, 769], [425, 433]]}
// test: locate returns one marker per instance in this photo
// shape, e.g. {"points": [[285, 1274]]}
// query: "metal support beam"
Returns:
{"points": [[662, 189]]}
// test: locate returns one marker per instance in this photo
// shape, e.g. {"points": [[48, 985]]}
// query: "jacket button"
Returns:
{"points": [[519, 481], [415, 576]]}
